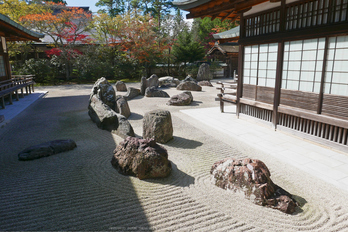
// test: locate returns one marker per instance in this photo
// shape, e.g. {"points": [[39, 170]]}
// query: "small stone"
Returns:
{"points": [[121, 86]]}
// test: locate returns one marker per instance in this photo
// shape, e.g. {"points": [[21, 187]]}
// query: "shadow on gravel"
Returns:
{"points": [[176, 178], [135, 116], [183, 143], [195, 103], [75, 190]]}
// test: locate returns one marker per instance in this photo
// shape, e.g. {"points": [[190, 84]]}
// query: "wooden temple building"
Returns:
{"points": [[226, 50], [11, 85], [293, 62], [12, 31]]}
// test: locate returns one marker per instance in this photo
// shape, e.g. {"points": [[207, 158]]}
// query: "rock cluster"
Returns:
{"points": [[142, 158], [145, 83], [107, 111], [168, 82], [46, 149], [252, 177]]}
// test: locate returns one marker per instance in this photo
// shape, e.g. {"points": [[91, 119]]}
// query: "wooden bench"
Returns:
{"points": [[228, 92], [11, 86]]}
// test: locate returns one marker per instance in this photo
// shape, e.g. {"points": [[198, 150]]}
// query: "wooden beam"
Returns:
{"points": [[313, 116], [244, 10], [306, 33], [211, 11], [232, 19], [227, 15], [213, 17]]}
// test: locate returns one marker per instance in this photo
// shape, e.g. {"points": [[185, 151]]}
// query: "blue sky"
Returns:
{"points": [[90, 3]]}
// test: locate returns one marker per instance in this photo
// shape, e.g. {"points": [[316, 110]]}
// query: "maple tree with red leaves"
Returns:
{"points": [[67, 28]]}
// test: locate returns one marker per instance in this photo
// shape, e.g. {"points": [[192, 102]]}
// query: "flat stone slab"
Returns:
{"points": [[46, 149]]}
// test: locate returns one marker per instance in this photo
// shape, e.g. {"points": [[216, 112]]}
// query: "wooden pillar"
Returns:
{"points": [[278, 84], [240, 65], [321, 93], [279, 72], [240, 77]]}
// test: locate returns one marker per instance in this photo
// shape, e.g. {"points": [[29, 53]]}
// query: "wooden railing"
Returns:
{"points": [[10, 87]]}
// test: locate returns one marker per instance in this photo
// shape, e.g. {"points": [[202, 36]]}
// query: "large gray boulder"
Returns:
{"points": [[189, 85], [102, 114], [252, 177], [168, 81], [131, 93], [121, 86], [105, 92], [154, 92], [122, 106], [124, 129], [182, 99], [142, 158], [145, 83], [157, 124], [46, 149], [204, 73]]}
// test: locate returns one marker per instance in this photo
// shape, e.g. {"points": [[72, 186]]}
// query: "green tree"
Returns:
{"points": [[187, 50], [203, 30], [113, 7]]}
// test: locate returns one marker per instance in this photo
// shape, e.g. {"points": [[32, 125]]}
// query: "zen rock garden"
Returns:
{"points": [[252, 177], [144, 158]]}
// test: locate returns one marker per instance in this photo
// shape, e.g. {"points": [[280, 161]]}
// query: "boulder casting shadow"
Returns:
{"points": [[252, 177], [142, 158]]}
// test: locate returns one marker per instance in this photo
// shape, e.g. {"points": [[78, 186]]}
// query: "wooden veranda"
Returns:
{"points": [[10, 85], [293, 63]]}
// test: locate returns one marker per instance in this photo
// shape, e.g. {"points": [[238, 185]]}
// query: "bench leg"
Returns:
{"points": [[22, 93], [17, 96], [32, 86], [221, 105], [3, 102], [11, 98]]}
